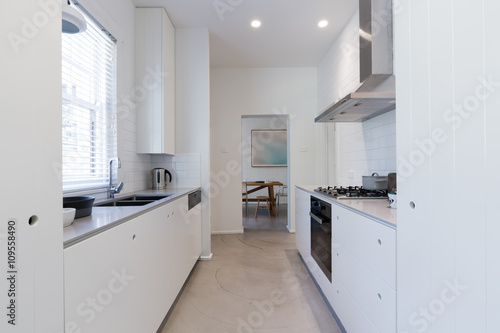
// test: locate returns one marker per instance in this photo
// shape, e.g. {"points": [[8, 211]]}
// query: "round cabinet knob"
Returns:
{"points": [[379, 296], [412, 205], [379, 242]]}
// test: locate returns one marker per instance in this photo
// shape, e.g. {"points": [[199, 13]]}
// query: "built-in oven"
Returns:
{"points": [[321, 235]]}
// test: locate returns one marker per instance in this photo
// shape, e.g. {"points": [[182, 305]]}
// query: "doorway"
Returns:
{"points": [[265, 171]]}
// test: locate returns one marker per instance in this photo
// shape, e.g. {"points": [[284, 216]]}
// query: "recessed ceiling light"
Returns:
{"points": [[322, 23], [255, 23]]}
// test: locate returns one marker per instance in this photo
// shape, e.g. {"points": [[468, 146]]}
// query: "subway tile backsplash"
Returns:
{"points": [[354, 149], [185, 168]]}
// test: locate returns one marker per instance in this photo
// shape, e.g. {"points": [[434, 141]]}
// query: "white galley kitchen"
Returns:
{"points": [[351, 129]]}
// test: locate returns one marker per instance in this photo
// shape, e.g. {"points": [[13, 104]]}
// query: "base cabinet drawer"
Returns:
{"points": [[350, 314], [370, 242], [375, 298]]}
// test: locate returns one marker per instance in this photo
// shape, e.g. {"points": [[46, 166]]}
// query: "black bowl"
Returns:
{"points": [[83, 205]]}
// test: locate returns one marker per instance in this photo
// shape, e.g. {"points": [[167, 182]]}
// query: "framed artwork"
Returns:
{"points": [[269, 148]]}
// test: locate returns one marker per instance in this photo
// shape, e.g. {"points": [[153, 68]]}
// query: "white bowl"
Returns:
{"points": [[68, 216]]}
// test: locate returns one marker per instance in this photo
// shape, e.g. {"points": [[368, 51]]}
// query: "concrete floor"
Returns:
{"points": [[255, 282]]}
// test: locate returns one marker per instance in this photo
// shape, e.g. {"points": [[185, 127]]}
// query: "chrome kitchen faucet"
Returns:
{"points": [[111, 189]]}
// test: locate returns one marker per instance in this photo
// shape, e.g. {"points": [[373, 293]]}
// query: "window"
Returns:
{"points": [[88, 107]]}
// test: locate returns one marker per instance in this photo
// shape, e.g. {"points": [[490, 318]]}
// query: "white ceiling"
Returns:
{"points": [[288, 37]]}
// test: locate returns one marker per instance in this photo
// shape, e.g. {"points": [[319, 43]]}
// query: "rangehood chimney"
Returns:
{"points": [[376, 93]]}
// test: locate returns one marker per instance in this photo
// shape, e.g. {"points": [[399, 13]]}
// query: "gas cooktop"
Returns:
{"points": [[351, 192]]}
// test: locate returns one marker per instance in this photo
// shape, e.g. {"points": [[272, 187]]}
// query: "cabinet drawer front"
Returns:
{"points": [[373, 296], [302, 201], [302, 223], [369, 241], [350, 314]]}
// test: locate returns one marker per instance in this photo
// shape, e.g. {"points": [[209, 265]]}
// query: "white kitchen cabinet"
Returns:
{"points": [[370, 242], [30, 171], [154, 92], [364, 262], [117, 281], [187, 249], [362, 291], [352, 317], [125, 279], [376, 299], [302, 223]]}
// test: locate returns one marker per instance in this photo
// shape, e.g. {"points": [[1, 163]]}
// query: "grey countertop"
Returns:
{"points": [[376, 209], [104, 218]]}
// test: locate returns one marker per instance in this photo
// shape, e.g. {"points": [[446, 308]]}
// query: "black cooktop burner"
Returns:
{"points": [[351, 192]]}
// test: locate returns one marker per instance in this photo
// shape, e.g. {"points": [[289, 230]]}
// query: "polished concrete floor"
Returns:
{"points": [[255, 282]]}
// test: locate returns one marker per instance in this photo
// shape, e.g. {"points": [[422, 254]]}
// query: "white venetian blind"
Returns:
{"points": [[89, 107]]}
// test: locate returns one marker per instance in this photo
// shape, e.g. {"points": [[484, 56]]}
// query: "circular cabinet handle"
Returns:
{"points": [[412, 205], [33, 220], [379, 242], [379, 296], [133, 237]]}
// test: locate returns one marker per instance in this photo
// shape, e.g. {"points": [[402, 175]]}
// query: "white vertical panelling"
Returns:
{"points": [[492, 119], [365, 147], [420, 129], [442, 159], [406, 242], [468, 39], [30, 174], [448, 250]]}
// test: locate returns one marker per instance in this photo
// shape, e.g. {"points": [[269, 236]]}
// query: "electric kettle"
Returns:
{"points": [[160, 178]]}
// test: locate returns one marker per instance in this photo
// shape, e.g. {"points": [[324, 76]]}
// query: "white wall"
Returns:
{"points": [[118, 16], [258, 91], [448, 99], [30, 174], [248, 172], [353, 149]]}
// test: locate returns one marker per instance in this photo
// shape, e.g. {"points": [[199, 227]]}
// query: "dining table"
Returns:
{"points": [[258, 185]]}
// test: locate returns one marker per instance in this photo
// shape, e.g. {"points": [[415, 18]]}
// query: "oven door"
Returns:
{"points": [[321, 235]]}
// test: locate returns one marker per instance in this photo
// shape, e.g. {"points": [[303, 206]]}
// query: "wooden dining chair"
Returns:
{"points": [[266, 199]]}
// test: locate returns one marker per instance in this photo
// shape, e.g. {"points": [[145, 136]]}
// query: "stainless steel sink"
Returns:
{"points": [[132, 200]]}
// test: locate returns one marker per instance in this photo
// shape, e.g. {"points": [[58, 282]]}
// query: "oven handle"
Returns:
{"points": [[315, 218]]}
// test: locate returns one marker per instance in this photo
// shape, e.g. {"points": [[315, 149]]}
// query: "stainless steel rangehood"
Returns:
{"points": [[376, 93]]}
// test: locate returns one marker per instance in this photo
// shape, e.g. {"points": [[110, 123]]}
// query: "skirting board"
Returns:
{"points": [[227, 232]]}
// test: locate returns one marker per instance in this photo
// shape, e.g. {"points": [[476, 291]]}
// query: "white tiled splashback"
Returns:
{"points": [[364, 148], [185, 168], [354, 149]]}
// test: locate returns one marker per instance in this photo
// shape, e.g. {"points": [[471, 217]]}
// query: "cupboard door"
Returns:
{"points": [[373, 296], [155, 80], [350, 314], [117, 281], [372, 243]]}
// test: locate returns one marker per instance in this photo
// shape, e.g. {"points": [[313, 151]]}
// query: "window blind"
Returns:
{"points": [[88, 107]]}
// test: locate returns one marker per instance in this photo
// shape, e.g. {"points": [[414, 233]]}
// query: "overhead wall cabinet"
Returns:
{"points": [[154, 92]]}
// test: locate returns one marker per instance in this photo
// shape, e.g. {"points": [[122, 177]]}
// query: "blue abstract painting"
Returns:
{"points": [[269, 148]]}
